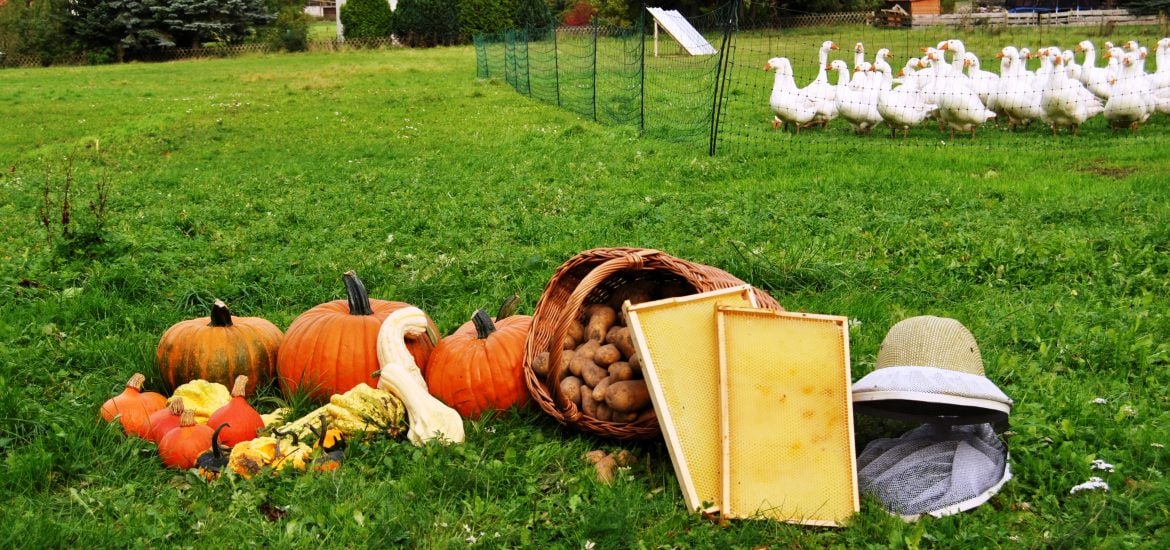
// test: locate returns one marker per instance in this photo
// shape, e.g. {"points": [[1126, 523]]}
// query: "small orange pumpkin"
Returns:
{"points": [[332, 347], [218, 348], [133, 407], [242, 420], [481, 366], [166, 419], [181, 447]]}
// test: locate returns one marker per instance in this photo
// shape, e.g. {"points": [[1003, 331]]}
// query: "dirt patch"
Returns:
{"points": [[1115, 172]]}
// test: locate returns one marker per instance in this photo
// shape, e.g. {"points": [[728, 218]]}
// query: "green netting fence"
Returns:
{"points": [[721, 102], [610, 75]]}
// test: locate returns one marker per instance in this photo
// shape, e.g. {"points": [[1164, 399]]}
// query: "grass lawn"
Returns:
{"points": [[259, 180]]}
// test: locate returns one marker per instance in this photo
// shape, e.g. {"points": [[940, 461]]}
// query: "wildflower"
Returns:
{"points": [[589, 545], [1094, 484], [1100, 401], [1101, 465]]}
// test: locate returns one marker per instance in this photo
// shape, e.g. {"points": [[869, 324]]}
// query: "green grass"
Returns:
{"points": [[260, 180]]}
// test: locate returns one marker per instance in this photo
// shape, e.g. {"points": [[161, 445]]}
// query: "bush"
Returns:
{"points": [[35, 29], [533, 14], [426, 23], [290, 31], [580, 14], [367, 18], [484, 16]]}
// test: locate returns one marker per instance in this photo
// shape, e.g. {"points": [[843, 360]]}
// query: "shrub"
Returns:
{"points": [[580, 14], [426, 23], [290, 31], [367, 18], [533, 14], [484, 16]]}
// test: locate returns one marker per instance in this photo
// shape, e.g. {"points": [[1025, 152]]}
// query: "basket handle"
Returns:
{"points": [[632, 261]]}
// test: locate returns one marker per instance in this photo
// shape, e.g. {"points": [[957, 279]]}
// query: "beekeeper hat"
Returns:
{"points": [[934, 469], [929, 370]]}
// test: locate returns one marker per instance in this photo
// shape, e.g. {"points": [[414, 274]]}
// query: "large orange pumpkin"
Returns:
{"points": [[218, 348], [480, 366], [333, 347]]}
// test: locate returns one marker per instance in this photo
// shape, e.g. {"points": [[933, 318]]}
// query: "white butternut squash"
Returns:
{"points": [[428, 417]]}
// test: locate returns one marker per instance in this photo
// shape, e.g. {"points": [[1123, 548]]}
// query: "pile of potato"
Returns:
{"points": [[601, 369]]}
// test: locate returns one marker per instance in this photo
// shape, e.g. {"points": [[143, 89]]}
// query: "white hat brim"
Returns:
{"points": [[930, 393]]}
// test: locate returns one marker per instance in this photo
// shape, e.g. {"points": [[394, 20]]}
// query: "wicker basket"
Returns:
{"points": [[591, 277]]}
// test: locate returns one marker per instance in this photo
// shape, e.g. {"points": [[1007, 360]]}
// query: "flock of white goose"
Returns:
{"points": [[962, 96]]}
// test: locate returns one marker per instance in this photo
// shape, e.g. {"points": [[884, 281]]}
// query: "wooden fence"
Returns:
{"points": [[1077, 18], [175, 54]]}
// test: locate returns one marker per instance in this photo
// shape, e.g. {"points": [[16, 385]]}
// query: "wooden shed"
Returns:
{"points": [[917, 7]]}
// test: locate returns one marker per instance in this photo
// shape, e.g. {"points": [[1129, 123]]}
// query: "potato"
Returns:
{"points": [[571, 389], [604, 413], [540, 364], [588, 349], [627, 396], [588, 405], [647, 415], [599, 389], [624, 417], [577, 364], [566, 359], [593, 374], [620, 372], [601, 317], [576, 332], [568, 342], [623, 340], [607, 355], [635, 361]]}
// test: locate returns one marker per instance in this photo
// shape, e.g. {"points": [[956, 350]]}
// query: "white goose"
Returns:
{"points": [[983, 82], [820, 91], [1160, 80], [1062, 102], [904, 107], [789, 105], [1015, 97], [858, 59], [1095, 78], [959, 107], [857, 105], [881, 64], [1132, 101]]}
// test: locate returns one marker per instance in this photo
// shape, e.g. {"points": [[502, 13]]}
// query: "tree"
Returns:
{"points": [[425, 23], [367, 19], [190, 23], [533, 14]]}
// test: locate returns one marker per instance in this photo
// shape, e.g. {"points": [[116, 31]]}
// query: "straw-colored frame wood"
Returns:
{"points": [[692, 437], [779, 389]]}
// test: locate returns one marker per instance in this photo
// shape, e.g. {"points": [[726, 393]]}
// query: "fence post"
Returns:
{"points": [[642, 69], [557, 65], [527, 63], [722, 74], [594, 69]]}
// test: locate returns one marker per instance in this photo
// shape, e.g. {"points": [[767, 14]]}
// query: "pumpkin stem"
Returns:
{"points": [[508, 307], [216, 450], [484, 326], [220, 316], [241, 386], [136, 381], [177, 407], [359, 299], [188, 418]]}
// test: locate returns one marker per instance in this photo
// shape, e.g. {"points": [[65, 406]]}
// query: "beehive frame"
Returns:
{"points": [[683, 382], [786, 414]]}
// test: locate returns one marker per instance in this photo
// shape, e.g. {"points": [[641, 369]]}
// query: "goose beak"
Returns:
{"points": [[833, 46], [999, 55], [1080, 48], [925, 49], [901, 73], [945, 46], [1108, 55], [767, 66]]}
